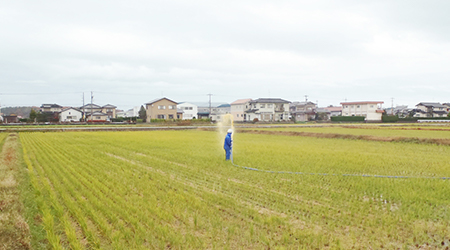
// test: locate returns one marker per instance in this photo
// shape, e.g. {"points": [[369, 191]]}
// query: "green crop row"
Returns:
{"points": [[173, 189]]}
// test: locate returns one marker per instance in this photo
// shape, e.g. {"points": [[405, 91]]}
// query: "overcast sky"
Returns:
{"points": [[131, 52]]}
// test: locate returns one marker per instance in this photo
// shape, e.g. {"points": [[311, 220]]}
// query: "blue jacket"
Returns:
{"points": [[228, 142]]}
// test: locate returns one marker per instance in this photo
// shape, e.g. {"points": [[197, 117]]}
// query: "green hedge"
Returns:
{"points": [[347, 118], [408, 119], [389, 118]]}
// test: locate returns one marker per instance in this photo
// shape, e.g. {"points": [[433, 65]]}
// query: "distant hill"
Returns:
{"points": [[20, 111]]}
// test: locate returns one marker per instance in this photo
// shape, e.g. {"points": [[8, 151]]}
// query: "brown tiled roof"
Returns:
{"points": [[241, 101]]}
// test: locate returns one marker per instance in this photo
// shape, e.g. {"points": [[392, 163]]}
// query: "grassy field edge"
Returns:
{"points": [[31, 210]]}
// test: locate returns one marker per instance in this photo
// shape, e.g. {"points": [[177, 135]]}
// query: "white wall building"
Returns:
{"points": [[268, 109], [371, 110], [189, 110], [238, 109], [70, 115]]}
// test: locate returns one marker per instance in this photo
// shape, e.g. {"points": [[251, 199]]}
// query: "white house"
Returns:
{"points": [[238, 109], [369, 109], [70, 115], [189, 110], [51, 108], [268, 109], [431, 109]]}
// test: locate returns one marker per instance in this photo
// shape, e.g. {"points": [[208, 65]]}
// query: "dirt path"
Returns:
{"points": [[352, 137], [14, 231]]}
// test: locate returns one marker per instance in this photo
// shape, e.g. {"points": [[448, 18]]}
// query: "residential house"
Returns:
{"points": [[109, 110], [323, 114], [334, 110], [448, 106], [303, 111], [189, 110], [70, 115], [180, 114], [401, 111], [218, 112], [162, 108], [121, 113], [96, 117], [369, 109], [268, 109], [133, 112], [203, 112], [12, 118], [431, 109], [88, 109], [51, 108], [238, 109]]}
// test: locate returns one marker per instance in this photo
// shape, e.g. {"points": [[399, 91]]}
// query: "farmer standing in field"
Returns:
{"points": [[227, 145]]}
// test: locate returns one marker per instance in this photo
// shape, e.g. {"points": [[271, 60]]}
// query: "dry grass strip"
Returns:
{"points": [[14, 230]]}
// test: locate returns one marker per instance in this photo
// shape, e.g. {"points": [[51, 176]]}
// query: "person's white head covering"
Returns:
{"points": [[230, 131]]}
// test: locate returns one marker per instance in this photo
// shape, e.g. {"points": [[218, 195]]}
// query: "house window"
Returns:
{"points": [[371, 106], [161, 107], [269, 105], [170, 116], [172, 107], [263, 106], [358, 106], [346, 107], [161, 117], [98, 117], [237, 115]]}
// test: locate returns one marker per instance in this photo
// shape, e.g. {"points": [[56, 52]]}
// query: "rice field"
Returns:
{"points": [[173, 189]]}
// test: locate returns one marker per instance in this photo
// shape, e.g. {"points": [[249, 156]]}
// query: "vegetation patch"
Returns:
{"points": [[353, 137], [14, 230], [173, 189]]}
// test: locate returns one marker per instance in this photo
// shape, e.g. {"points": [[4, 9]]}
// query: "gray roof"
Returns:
{"points": [[301, 103], [224, 106], [269, 100], [88, 106], [431, 104], [71, 108], [109, 106], [159, 99], [54, 105]]}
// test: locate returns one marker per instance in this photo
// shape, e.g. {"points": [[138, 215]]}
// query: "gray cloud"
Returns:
{"points": [[131, 52]]}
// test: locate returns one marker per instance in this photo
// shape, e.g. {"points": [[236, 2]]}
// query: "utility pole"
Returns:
{"points": [[210, 104], [392, 105]]}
